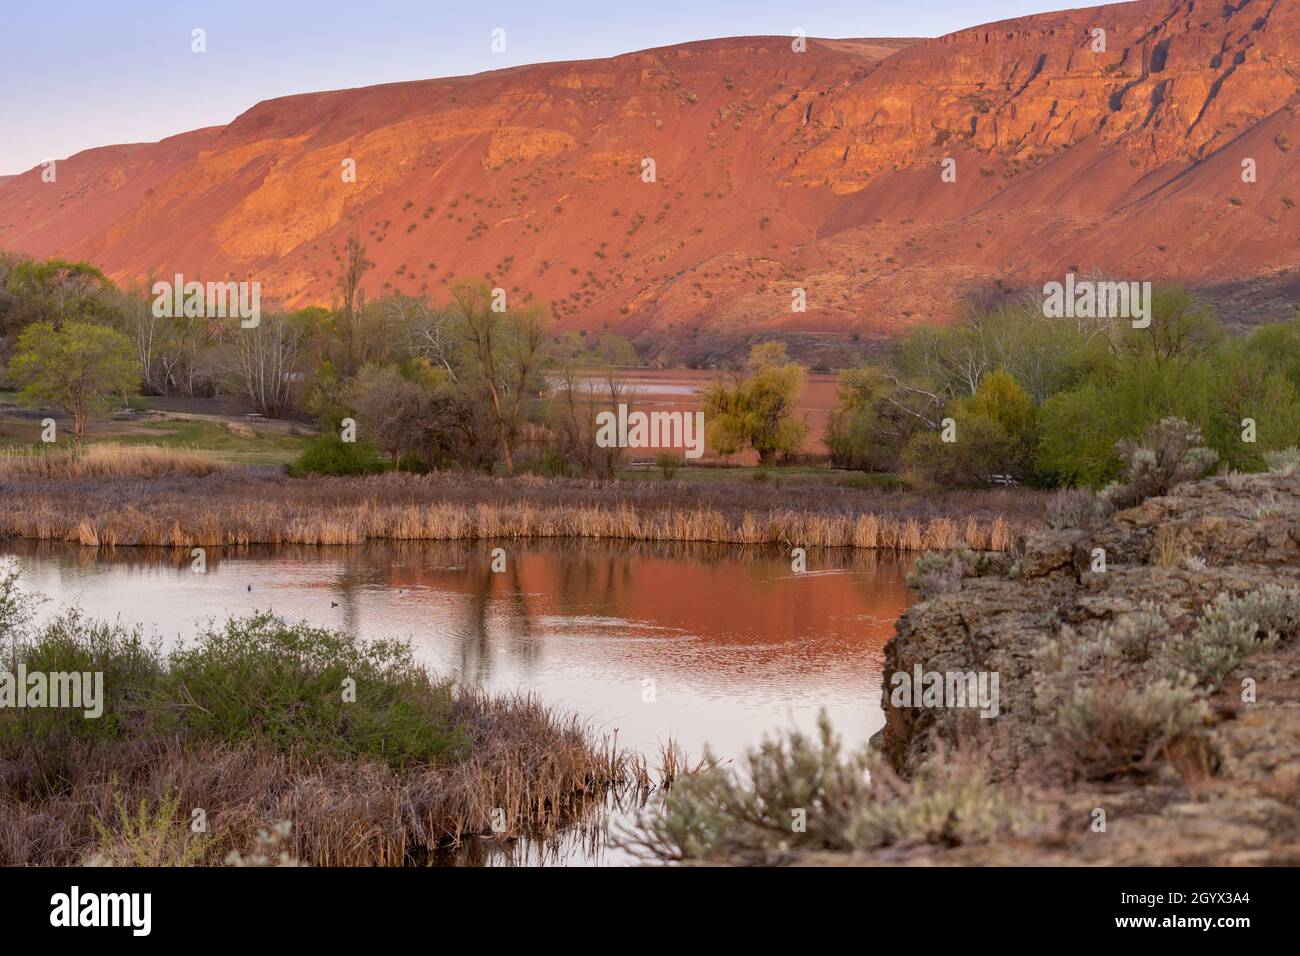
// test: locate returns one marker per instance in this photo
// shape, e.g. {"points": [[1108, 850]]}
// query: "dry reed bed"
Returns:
{"points": [[543, 769], [236, 508], [107, 460]]}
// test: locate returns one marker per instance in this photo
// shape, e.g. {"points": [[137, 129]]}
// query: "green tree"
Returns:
{"points": [[878, 415], [1181, 329], [981, 451], [995, 435], [504, 351], [55, 290], [757, 409], [353, 301], [1079, 428], [1278, 344], [1077, 438], [75, 368], [1250, 386], [1002, 401]]}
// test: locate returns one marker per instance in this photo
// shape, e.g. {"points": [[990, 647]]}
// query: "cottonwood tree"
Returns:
{"points": [[76, 368], [184, 358], [265, 363], [56, 290], [427, 332], [1181, 330], [168, 348], [353, 296], [506, 355], [995, 432], [11, 316], [876, 418], [146, 331], [885, 406]]}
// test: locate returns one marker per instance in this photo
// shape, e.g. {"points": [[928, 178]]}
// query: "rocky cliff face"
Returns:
{"points": [[774, 169], [1216, 777]]}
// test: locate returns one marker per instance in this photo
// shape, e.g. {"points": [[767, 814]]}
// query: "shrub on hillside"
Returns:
{"points": [[1169, 454], [1111, 728], [1233, 628]]}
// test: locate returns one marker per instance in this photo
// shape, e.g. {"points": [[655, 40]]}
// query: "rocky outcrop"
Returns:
{"points": [[1227, 791]]}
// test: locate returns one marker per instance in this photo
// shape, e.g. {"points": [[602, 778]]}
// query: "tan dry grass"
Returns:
{"points": [[216, 523], [235, 508], [108, 460]]}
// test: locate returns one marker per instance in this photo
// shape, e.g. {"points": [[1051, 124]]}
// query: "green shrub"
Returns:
{"points": [[411, 462], [16, 606], [550, 464], [874, 481], [147, 838], [937, 572], [1072, 508], [1284, 461], [1134, 636], [330, 455], [70, 644], [718, 813], [950, 803], [1170, 454], [982, 449], [668, 463], [1233, 628], [259, 679]]}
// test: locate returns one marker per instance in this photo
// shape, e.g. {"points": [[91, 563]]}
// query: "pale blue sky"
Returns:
{"points": [[92, 72]]}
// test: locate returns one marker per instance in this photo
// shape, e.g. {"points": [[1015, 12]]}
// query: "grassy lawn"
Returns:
{"points": [[259, 448], [249, 446]]}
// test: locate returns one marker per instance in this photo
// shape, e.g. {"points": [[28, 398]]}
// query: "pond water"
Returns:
{"points": [[735, 644], [679, 389]]}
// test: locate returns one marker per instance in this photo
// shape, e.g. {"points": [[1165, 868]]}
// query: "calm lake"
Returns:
{"points": [[735, 644]]}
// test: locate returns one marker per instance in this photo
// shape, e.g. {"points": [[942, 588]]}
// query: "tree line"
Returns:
{"points": [[1005, 394], [1045, 401], [463, 383]]}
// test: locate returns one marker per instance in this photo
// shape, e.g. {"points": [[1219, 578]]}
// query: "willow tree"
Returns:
{"points": [[756, 409]]}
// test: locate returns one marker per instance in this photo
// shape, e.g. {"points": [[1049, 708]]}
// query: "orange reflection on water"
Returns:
{"points": [[705, 644]]}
